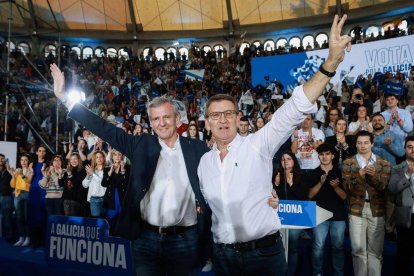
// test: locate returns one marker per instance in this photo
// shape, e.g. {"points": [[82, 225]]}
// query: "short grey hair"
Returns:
{"points": [[158, 101]]}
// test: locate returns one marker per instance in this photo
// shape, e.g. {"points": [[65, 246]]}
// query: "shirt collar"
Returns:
{"points": [[177, 145], [371, 160], [233, 144]]}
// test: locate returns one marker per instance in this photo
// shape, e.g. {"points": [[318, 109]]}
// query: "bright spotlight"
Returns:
{"points": [[76, 96]]}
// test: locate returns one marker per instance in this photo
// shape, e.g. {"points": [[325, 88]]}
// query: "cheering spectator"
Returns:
{"points": [[332, 115], [93, 180], [115, 180], [74, 195], [344, 145], [360, 121], [399, 120], [365, 178], [326, 189], [50, 182], [21, 179]]}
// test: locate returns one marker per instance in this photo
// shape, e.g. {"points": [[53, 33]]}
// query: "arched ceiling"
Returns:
{"points": [[163, 15]]}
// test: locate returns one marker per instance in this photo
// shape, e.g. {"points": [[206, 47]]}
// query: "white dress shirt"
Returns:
{"points": [[237, 189], [170, 200], [93, 183]]}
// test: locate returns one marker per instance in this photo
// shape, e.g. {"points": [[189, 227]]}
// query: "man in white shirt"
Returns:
{"points": [[163, 213], [235, 176]]}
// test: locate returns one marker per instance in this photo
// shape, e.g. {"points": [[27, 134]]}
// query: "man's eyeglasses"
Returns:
{"points": [[228, 114]]}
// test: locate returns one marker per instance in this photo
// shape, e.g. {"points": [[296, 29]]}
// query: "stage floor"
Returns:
{"points": [[25, 261]]}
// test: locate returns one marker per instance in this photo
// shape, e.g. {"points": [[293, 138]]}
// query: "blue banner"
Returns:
{"points": [[84, 243], [391, 55], [396, 88], [297, 213]]}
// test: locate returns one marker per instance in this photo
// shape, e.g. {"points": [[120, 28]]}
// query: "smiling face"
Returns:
{"points": [[223, 129], [378, 122], [74, 161], [192, 131], [164, 121]]}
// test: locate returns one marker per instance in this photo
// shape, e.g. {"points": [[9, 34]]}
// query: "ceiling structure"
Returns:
{"points": [[145, 19]]}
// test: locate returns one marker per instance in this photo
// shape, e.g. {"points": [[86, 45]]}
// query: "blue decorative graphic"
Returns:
{"points": [[84, 243]]}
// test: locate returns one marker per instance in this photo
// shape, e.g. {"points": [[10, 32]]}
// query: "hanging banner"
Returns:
{"points": [[389, 55]]}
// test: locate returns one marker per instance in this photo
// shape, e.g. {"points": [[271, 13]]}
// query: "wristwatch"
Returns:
{"points": [[326, 73]]}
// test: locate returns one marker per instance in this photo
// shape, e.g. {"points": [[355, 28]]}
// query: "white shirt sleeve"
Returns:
{"points": [[269, 139]]}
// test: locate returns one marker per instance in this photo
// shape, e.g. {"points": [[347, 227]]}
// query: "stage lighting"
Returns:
{"points": [[76, 96]]}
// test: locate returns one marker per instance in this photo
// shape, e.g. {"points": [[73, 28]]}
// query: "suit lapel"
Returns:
{"points": [[189, 162]]}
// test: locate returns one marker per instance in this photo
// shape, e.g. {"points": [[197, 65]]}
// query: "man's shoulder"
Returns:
{"points": [[351, 160], [398, 166], [194, 144], [382, 162]]}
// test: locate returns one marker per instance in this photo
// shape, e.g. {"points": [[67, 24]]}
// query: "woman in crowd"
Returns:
{"points": [[50, 182], [260, 122], [138, 130], [115, 180], [36, 206], [331, 116], [288, 185], [192, 132], [344, 144], [82, 149], [21, 179], [74, 194], [93, 181], [361, 121]]}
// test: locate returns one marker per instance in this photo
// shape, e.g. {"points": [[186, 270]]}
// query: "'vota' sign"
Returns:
{"points": [[84, 244]]}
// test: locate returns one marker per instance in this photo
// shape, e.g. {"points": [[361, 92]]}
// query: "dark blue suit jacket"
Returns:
{"points": [[144, 151]]}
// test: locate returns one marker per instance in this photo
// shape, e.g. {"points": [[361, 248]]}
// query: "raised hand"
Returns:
{"points": [[337, 44], [89, 169], [58, 81]]}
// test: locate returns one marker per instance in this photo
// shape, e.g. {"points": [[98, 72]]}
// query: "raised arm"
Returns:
{"points": [[115, 136], [337, 44]]}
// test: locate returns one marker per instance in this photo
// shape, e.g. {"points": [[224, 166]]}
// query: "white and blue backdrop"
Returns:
{"points": [[367, 58]]}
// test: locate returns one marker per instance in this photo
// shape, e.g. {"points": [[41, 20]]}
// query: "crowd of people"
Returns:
{"points": [[354, 156]]}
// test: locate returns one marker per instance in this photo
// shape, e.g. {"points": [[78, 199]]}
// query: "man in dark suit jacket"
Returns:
{"points": [[402, 186], [164, 212]]}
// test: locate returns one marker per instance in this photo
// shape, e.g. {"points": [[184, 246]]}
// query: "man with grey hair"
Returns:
{"points": [[164, 212]]}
